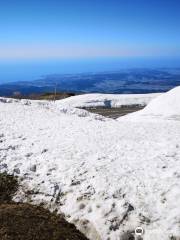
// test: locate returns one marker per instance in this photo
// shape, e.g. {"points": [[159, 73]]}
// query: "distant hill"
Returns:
{"points": [[43, 96]]}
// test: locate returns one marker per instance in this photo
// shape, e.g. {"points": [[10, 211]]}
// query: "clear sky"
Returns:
{"points": [[42, 29]]}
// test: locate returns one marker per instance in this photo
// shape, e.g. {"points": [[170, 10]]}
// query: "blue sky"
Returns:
{"points": [[43, 29]]}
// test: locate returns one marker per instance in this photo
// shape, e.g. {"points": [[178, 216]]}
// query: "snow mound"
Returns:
{"points": [[165, 106], [108, 100]]}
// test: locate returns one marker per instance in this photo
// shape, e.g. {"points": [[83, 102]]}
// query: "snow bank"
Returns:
{"points": [[107, 177], [56, 108], [108, 100], [165, 106]]}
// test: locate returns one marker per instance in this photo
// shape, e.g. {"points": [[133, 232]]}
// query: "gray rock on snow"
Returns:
{"points": [[33, 168], [17, 170]]}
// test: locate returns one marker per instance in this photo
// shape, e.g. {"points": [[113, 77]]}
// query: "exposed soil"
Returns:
{"points": [[27, 222], [114, 112], [8, 187], [20, 221]]}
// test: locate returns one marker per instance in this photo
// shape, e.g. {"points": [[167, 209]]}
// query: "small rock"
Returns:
{"points": [[33, 168], [17, 170], [75, 182], [130, 208], [28, 155], [44, 150], [82, 206]]}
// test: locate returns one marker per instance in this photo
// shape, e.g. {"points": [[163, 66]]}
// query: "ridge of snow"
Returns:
{"points": [[108, 100], [165, 106], [56, 108]]}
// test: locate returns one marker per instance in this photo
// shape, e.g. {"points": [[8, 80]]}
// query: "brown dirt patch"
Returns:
{"points": [[27, 222], [8, 187], [20, 221]]}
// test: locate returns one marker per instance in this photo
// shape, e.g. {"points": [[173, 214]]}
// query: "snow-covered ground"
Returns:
{"points": [[107, 176], [108, 100]]}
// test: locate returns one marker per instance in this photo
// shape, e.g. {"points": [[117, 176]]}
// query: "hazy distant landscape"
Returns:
{"points": [[144, 80]]}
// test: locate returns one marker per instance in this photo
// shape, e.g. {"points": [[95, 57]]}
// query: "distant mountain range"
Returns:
{"points": [[125, 81]]}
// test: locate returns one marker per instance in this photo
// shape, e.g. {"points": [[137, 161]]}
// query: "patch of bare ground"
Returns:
{"points": [[21, 221]]}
